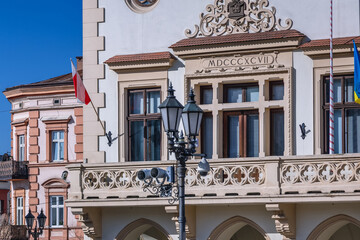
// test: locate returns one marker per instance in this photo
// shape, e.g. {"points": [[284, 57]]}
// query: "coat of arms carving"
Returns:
{"points": [[238, 16], [236, 9]]}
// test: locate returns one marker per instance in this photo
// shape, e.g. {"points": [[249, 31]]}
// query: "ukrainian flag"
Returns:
{"points": [[356, 75]]}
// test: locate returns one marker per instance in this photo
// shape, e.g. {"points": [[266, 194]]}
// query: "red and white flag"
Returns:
{"points": [[80, 90]]}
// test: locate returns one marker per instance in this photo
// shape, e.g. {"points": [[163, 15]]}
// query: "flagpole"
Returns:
{"points": [[98, 117], [331, 112]]}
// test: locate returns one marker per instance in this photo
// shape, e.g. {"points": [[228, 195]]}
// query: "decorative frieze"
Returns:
{"points": [[238, 16]]}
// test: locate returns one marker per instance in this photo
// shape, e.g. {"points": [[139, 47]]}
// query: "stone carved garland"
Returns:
{"points": [[220, 20]]}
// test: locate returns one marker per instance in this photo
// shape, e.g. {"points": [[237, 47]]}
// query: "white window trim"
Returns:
{"points": [[57, 206], [58, 142]]}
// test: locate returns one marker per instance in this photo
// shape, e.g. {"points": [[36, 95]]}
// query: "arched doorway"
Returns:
{"points": [[340, 227], [237, 228], [143, 229]]}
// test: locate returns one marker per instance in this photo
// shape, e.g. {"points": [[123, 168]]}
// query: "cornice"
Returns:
{"points": [[50, 90]]}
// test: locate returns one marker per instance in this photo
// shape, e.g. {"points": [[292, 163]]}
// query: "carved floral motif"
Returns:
{"points": [[220, 176], [220, 20], [326, 172]]}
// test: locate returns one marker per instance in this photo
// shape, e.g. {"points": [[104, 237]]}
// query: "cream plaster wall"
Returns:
{"points": [[206, 222], [115, 219], [127, 32], [303, 82], [47, 173], [71, 134], [308, 216]]}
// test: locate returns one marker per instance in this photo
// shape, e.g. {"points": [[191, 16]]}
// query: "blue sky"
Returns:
{"points": [[37, 39]]}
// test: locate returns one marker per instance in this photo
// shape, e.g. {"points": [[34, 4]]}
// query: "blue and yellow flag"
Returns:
{"points": [[356, 75]]}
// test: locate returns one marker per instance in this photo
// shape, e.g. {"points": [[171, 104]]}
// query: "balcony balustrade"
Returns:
{"points": [[13, 170], [246, 178]]}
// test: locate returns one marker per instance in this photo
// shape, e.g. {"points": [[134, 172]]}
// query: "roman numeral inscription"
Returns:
{"points": [[240, 61]]}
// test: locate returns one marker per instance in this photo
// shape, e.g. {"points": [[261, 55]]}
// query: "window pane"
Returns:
{"points": [[337, 132], [61, 151], [277, 133], [61, 216], [234, 95], [206, 95], [337, 90], [252, 94], [252, 135], [137, 140], [352, 131], [136, 103], [277, 92], [53, 201], [233, 137], [153, 101], [349, 90], [53, 216], [61, 200], [55, 150], [207, 136], [153, 140]]}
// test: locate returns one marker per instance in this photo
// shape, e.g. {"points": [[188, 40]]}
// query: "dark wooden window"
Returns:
{"points": [[207, 135], [206, 95], [144, 124], [346, 115], [241, 134], [276, 90], [276, 132], [235, 93]]}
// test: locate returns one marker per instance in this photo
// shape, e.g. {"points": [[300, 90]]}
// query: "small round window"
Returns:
{"points": [[141, 6]]}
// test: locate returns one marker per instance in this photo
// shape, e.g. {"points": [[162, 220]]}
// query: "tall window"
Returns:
{"points": [[241, 134], [144, 124], [21, 148], [346, 116], [56, 211], [57, 145], [19, 211], [277, 132], [207, 135]]}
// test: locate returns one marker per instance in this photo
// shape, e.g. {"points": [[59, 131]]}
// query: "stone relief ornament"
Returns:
{"points": [[238, 16]]}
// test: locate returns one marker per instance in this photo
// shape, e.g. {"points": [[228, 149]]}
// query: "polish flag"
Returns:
{"points": [[80, 90]]}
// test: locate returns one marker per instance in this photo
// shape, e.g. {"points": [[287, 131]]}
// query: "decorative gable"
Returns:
{"points": [[238, 16]]}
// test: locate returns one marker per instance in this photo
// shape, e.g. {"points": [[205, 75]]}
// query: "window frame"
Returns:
{"points": [[271, 85], [21, 147], [203, 133], [145, 117], [19, 210], [275, 110], [202, 89], [242, 133], [57, 207], [244, 87], [342, 105], [58, 142]]}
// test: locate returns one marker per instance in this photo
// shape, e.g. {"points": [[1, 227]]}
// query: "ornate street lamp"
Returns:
{"points": [[161, 182], [29, 218]]}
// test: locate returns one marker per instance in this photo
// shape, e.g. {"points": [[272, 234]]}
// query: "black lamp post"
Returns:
{"points": [[29, 218], [171, 112]]}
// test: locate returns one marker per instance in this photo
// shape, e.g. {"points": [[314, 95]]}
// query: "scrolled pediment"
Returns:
{"points": [[237, 16]]}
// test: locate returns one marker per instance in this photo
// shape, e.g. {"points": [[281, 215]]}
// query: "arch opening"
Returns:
{"points": [[237, 228], [143, 229], [340, 227]]}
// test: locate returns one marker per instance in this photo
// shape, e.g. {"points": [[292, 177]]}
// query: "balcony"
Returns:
{"points": [[250, 180], [13, 170]]}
